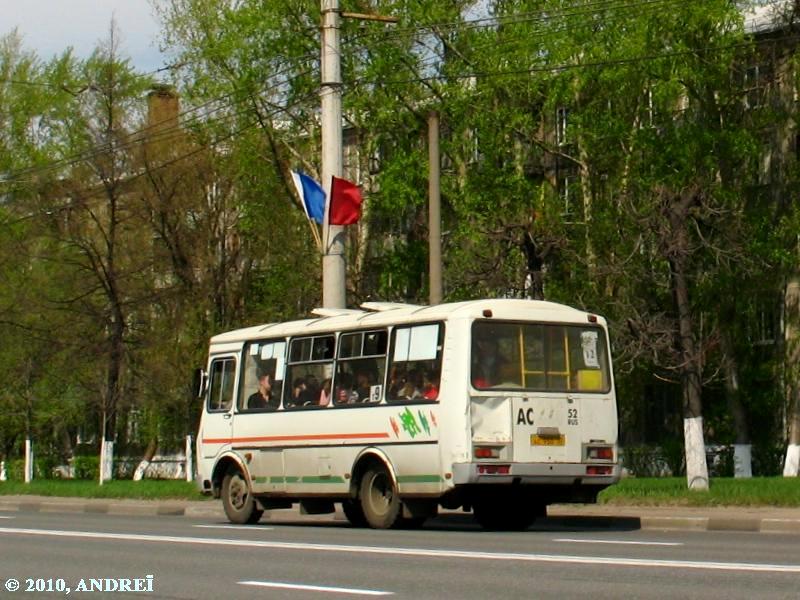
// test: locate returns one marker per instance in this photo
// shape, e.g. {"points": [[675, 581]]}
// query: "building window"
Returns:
{"points": [[756, 86], [562, 120], [569, 195]]}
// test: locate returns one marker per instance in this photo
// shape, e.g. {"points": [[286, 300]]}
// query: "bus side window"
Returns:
{"points": [[416, 363], [263, 358], [221, 387], [361, 367], [309, 372]]}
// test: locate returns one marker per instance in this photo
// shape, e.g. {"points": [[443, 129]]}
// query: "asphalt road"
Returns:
{"points": [[208, 558]]}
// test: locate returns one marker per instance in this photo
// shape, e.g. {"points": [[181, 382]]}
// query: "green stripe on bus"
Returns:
{"points": [[419, 479], [321, 479], [304, 479]]}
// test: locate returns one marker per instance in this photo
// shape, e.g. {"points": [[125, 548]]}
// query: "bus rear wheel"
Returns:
{"points": [[354, 513], [379, 499], [237, 500]]}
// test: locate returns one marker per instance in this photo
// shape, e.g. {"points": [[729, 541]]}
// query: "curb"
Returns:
{"points": [[583, 517]]}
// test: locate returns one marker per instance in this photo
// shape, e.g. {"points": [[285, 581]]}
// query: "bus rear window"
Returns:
{"points": [[539, 357]]}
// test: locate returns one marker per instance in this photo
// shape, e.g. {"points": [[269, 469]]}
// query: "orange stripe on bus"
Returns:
{"points": [[295, 438]]}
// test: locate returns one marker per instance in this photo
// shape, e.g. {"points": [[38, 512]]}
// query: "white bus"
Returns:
{"points": [[496, 406]]}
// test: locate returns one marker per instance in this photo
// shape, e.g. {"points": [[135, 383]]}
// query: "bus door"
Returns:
{"points": [[216, 427]]}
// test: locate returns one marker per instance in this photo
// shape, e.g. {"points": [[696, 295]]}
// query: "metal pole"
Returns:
{"points": [[434, 212], [333, 259]]}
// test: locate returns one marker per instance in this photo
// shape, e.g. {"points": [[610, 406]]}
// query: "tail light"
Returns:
{"points": [[494, 469], [600, 453], [598, 470], [486, 452]]}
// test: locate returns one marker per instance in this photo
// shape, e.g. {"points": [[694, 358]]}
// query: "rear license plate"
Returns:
{"points": [[538, 440]]}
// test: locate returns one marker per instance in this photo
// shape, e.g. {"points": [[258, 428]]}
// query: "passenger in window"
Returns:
{"points": [[298, 391], [362, 386], [325, 392], [261, 398], [413, 388], [430, 387], [311, 394], [344, 388], [397, 381]]}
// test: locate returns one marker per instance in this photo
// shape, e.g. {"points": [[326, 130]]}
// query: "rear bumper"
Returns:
{"points": [[570, 474]]}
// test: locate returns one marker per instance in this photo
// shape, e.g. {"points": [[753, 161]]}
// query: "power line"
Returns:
{"points": [[93, 191], [142, 135]]}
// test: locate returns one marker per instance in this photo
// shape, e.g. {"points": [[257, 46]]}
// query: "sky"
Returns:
{"points": [[48, 27]]}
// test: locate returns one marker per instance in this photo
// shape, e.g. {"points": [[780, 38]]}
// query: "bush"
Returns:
{"points": [[645, 461], [86, 467], [768, 459]]}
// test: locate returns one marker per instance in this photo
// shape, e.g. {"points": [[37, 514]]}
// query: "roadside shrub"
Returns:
{"points": [[645, 461], [768, 460], [86, 467]]}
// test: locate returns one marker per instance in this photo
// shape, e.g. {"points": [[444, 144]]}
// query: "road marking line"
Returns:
{"points": [[247, 527], [1, 517], [433, 553], [315, 588], [625, 542]]}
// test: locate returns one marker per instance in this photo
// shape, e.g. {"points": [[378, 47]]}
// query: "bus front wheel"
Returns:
{"points": [[237, 500], [379, 499]]}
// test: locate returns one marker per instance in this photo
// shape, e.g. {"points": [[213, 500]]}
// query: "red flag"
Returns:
{"points": [[345, 208]]}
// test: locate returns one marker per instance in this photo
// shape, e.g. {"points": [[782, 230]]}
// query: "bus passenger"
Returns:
{"points": [[362, 386], [298, 391], [325, 392], [397, 381], [311, 394], [344, 388], [413, 388], [260, 399], [430, 387]]}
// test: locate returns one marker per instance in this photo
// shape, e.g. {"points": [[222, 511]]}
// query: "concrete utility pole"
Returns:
{"points": [[333, 259], [434, 212]]}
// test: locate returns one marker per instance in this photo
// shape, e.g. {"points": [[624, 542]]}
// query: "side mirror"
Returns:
{"points": [[199, 383]]}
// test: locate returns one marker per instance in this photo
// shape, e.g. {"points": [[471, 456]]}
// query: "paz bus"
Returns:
{"points": [[497, 406]]}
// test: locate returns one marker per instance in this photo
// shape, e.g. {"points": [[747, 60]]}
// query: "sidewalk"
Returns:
{"points": [[589, 516]]}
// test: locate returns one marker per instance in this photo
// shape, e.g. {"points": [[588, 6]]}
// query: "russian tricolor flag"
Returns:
{"points": [[312, 195]]}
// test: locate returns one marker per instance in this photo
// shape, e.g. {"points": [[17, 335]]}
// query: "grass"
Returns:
{"points": [[760, 491], [148, 489], [725, 491]]}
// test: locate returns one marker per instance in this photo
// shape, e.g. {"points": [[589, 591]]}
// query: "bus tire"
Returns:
{"points": [[237, 499], [379, 499], [354, 513]]}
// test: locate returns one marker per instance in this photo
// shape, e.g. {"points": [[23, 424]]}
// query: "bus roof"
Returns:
{"points": [[380, 314]]}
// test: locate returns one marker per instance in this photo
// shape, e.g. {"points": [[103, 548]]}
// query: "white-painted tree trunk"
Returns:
{"points": [[791, 466], [3, 475], [106, 461], [28, 460], [743, 461], [141, 469], [189, 461], [696, 466]]}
